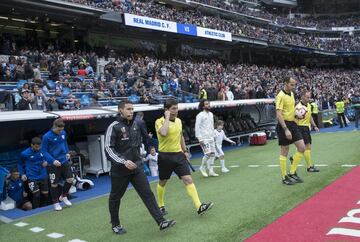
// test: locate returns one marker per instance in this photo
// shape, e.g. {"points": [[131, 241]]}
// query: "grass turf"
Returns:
{"points": [[246, 199]]}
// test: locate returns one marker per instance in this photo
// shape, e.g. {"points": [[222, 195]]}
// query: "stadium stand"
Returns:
{"points": [[246, 27]]}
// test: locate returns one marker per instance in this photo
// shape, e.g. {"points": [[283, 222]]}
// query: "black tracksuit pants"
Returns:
{"points": [[357, 117], [342, 120], [120, 179], [315, 117]]}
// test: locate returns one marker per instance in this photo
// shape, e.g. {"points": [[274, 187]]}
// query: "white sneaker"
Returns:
{"points": [[224, 170], [203, 171], [57, 207], [212, 173], [65, 200]]}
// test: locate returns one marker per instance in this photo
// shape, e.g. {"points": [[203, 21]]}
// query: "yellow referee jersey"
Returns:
{"points": [[172, 142], [306, 121], [286, 103]]}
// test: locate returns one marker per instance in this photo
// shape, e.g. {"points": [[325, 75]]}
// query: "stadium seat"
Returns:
{"points": [[44, 75], [20, 84], [51, 84], [66, 91], [85, 100], [134, 99]]}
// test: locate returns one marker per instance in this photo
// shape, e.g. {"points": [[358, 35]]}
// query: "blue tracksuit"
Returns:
{"points": [[3, 173], [15, 190], [30, 164], [54, 147]]}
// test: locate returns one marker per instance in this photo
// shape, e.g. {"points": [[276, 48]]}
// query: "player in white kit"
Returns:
{"points": [[204, 132], [152, 158], [219, 138]]}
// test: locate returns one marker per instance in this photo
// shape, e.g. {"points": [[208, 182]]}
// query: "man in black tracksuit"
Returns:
{"points": [[355, 100], [122, 148]]}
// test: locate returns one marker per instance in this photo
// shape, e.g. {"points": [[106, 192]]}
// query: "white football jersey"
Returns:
{"points": [[204, 126], [220, 137]]}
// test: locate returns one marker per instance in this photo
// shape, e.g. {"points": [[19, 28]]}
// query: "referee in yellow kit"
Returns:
{"points": [[173, 157], [304, 126], [288, 132]]}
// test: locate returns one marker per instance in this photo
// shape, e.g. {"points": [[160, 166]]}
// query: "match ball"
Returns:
{"points": [[300, 112]]}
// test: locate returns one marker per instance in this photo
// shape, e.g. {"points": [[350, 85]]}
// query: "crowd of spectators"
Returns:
{"points": [[147, 77], [323, 22], [238, 28]]}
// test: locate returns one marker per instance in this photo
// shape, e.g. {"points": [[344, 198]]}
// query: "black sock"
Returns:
{"points": [[36, 199], [44, 200], [66, 189], [54, 194]]}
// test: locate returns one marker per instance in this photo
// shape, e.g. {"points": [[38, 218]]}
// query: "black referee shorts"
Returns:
{"points": [[295, 132], [170, 162], [305, 132]]}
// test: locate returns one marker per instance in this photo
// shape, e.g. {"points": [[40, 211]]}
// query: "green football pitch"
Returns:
{"points": [[246, 199]]}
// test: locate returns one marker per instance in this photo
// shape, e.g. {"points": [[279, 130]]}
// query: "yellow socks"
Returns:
{"points": [[307, 156], [161, 195], [283, 166], [296, 160], [191, 190]]}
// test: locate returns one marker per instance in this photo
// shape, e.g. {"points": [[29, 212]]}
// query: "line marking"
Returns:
{"points": [[234, 166], [55, 235], [348, 165], [253, 166], [37, 229], [273, 165], [21, 224], [300, 165], [216, 166], [321, 165], [77, 240]]}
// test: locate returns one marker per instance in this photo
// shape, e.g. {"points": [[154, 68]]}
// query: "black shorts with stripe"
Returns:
{"points": [[170, 162], [305, 132], [42, 185], [295, 132], [58, 172]]}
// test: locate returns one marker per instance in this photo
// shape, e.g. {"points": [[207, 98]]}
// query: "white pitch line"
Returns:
{"points": [[21, 224], [321, 165], [300, 165], [216, 166], [55, 235], [273, 165], [253, 166], [348, 165], [37, 229], [77, 240], [234, 166]]}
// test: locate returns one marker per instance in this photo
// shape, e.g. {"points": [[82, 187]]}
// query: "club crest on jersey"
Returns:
{"points": [[124, 134]]}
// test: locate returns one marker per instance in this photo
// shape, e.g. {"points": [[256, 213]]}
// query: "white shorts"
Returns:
{"points": [[218, 151], [208, 147], [154, 170]]}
